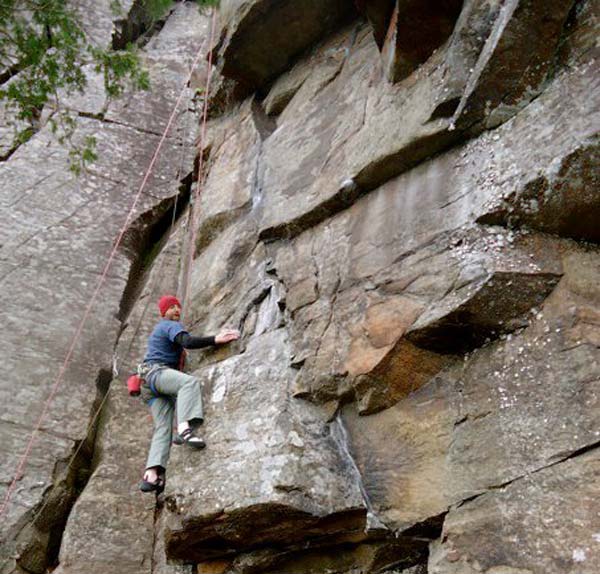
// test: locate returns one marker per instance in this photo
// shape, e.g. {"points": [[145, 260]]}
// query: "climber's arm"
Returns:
{"points": [[188, 341]]}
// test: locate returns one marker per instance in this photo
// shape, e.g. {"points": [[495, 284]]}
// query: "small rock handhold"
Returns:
{"points": [[453, 556], [270, 267]]}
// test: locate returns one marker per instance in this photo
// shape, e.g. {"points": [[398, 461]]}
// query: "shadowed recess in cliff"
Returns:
{"points": [[145, 238], [421, 317], [36, 539], [262, 39], [378, 12], [138, 25], [467, 319], [379, 554], [259, 526], [564, 201], [416, 29]]}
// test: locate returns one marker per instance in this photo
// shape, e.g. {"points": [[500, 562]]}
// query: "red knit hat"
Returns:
{"points": [[166, 302]]}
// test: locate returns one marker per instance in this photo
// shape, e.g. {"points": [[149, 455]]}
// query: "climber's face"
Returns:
{"points": [[173, 313]]}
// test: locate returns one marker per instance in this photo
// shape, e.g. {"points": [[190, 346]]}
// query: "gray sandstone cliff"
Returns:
{"points": [[401, 213]]}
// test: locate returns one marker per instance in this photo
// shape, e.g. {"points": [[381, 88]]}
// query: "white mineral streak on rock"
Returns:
{"points": [[579, 555], [501, 21], [340, 435], [219, 391]]}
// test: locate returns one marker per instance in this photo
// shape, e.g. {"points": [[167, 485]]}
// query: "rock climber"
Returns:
{"points": [[165, 385]]}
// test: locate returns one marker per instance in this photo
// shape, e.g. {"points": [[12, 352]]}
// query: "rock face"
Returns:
{"points": [[56, 236], [400, 213], [261, 39]]}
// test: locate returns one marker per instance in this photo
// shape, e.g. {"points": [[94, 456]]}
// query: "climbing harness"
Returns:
{"points": [[146, 373]]}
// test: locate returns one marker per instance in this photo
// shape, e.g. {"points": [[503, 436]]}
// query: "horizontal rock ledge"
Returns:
{"points": [[261, 525]]}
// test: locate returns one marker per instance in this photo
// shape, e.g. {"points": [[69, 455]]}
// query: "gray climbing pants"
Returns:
{"points": [[187, 390]]}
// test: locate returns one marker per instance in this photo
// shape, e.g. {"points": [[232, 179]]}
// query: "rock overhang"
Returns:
{"points": [[268, 525], [260, 40], [370, 130]]}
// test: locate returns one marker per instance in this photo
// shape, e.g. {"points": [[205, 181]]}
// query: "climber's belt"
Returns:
{"points": [[147, 372]]}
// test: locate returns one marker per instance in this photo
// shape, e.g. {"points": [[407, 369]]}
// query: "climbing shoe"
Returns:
{"points": [[188, 438], [157, 486]]}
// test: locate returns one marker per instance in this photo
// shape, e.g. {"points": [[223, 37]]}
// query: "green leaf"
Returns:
{"points": [[46, 44]]}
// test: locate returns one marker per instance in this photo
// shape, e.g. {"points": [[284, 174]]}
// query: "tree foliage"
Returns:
{"points": [[44, 52]]}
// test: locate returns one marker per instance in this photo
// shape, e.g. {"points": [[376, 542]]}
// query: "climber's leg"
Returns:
{"points": [[188, 391], [162, 414]]}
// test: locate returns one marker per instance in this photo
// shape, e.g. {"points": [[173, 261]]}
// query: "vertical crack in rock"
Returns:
{"points": [[504, 49], [248, 318], [265, 126], [462, 314], [156, 543], [213, 225], [341, 438], [138, 26], [37, 537], [146, 237]]}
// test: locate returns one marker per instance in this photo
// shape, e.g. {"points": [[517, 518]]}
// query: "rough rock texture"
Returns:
{"points": [[117, 518], [511, 525], [399, 213], [512, 408], [294, 476], [261, 39], [414, 31], [362, 144], [57, 234]]}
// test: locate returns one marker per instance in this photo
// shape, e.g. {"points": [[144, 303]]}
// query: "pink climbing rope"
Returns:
{"points": [[195, 203], [60, 377]]}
